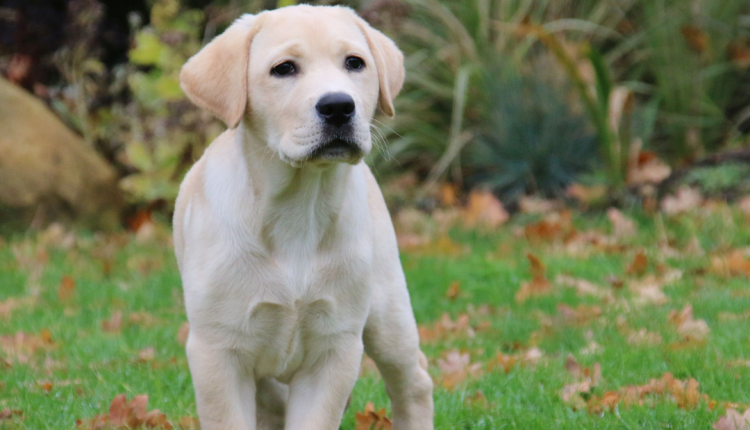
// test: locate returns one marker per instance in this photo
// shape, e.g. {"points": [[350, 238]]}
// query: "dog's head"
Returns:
{"points": [[307, 79]]}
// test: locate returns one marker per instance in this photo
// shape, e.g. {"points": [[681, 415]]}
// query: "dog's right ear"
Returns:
{"points": [[216, 77]]}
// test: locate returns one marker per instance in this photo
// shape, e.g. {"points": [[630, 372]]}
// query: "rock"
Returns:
{"points": [[49, 173]]}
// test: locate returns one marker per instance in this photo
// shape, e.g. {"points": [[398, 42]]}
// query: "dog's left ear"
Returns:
{"points": [[216, 78], [390, 64]]}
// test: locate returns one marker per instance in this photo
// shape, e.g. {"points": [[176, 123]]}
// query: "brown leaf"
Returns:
{"points": [[639, 265], [685, 200], [183, 332], [537, 205], [696, 39], [446, 327], [579, 316], [691, 330], [456, 367], [539, 285], [8, 414], [622, 225], [484, 210], [586, 195], [733, 421], [147, 354], [67, 288], [453, 290], [733, 264], [114, 324], [739, 53], [557, 227], [118, 411], [371, 420]]}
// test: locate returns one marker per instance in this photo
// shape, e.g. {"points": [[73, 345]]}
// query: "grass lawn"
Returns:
{"points": [[59, 363]]}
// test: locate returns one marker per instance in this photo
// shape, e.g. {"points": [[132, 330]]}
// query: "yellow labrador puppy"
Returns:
{"points": [[286, 250]]}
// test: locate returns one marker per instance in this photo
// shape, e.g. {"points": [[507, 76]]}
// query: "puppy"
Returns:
{"points": [[287, 254]]}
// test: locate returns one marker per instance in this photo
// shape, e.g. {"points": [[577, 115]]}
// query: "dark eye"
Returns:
{"points": [[286, 68], [354, 63]]}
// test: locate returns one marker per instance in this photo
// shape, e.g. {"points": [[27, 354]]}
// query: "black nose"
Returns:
{"points": [[336, 109]]}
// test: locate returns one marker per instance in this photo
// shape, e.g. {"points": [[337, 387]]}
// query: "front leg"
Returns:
{"points": [[392, 341], [318, 393], [224, 394]]}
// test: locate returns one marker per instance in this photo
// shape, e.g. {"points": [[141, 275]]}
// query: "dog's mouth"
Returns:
{"points": [[336, 150]]}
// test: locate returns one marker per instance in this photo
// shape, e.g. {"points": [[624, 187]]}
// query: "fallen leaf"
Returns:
{"points": [[744, 205], [484, 210], [696, 39], [114, 323], [739, 53], [586, 195], [477, 400], [685, 200], [371, 420], [690, 329], [446, 327], [456, 367], [578, 316], [67, 288], [147, 354], [557, 226], [623, 226], [733, 421], [182, 333], [539, 284], [645, 168], [639, 264], [733, 264], [507, 361], [8, 414], [582, 286], [537, 205], [453, 290]]}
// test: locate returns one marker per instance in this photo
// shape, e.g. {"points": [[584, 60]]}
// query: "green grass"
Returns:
{"points": [[88, 367]]}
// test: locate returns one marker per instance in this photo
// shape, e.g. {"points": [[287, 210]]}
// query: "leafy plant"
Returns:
{"points": [[531, 142]]}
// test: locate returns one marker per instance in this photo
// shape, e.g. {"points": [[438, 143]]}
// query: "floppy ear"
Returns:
{"points": [[216, 77], [390, 64]]}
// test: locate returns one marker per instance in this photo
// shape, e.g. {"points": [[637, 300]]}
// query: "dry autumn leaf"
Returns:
{"points": [[733, 421], [639, 264], [453, 290], [685, 200], [456, 367], [371, 420], [696, 39], [182, 333], [733, 264], [114, 323], [690, 329], [67, 288], [484, 210], [508, 361], [537, 205], [124, 415], [622, 225], [539, 284], [8, 414], [446, 327]]}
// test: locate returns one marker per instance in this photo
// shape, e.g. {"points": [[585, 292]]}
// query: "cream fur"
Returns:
{"points": [[289, 266]]}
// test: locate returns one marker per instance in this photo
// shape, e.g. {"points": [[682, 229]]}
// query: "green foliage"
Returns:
{"points": [[531, 142], [159, 131], [731, 177]]}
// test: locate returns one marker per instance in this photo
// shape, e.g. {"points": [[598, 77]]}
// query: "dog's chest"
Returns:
{"points": [[288, 308]]}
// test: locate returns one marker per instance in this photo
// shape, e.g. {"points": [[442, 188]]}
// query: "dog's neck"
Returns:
{"points": [[295, 206]]}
